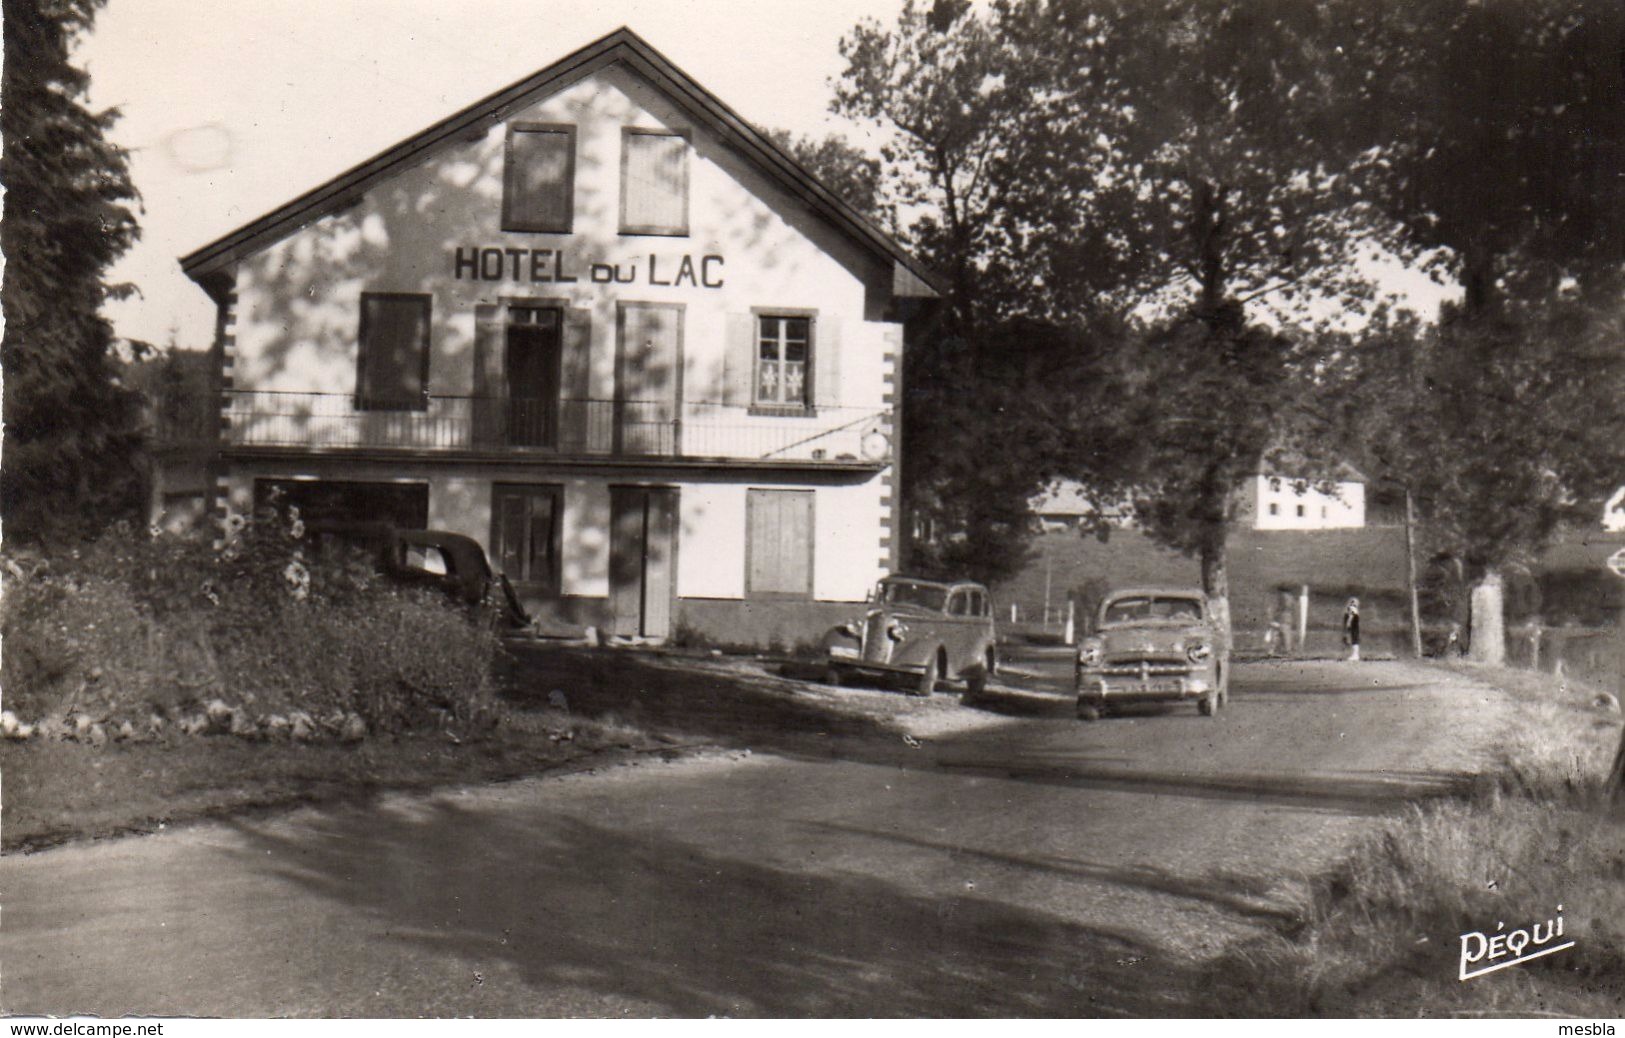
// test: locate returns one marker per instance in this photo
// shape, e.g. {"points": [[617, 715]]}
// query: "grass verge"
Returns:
{"points": [[60, 791], [1381, 934]]}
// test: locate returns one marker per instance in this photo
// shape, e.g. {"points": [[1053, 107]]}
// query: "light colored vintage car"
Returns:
{"points": [[1153, 644], [928, 630]]}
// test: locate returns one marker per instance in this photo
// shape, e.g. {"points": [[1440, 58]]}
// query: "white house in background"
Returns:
{"points": [[1279, 501], [1613, 513], [1064, 504], [600, 324]]}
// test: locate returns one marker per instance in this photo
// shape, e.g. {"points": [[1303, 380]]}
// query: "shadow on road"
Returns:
{"points": [[558, 906], [732, 704]]}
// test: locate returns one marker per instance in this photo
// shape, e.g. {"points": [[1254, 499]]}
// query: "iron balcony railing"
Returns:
{"points": [[272, 418]]}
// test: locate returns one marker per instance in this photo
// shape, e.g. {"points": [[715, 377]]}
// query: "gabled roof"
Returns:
{"points": [[623, 46]]}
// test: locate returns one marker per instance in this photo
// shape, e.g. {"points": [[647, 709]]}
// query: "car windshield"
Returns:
{"points": [[903, 592], [1151, 607]]}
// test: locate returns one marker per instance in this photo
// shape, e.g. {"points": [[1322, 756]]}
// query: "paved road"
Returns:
{"points": [[1031, 866]]}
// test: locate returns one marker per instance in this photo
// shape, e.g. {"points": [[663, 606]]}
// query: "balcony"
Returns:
{"points": [[282, 422]]}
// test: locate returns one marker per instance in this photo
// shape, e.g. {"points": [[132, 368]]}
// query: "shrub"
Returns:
{"points": [[133, 625]]}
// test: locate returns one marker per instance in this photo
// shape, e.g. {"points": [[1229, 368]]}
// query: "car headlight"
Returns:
{"points": [[1200, 652], [1090, 654], [896, 630], [848, 629]]}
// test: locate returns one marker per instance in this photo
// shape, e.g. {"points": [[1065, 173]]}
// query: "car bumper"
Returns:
{"points": [[1106, 688], [849, 661]]}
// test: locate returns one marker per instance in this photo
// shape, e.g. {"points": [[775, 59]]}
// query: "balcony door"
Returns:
{"points": [[533, 352], [648, 378]]}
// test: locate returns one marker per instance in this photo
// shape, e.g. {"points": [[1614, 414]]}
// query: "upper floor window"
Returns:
{"points": [[654, 182], [783, 361], [538, 185], [393, 362]]}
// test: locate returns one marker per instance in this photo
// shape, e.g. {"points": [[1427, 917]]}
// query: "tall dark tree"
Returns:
{"points": [[72, 431], [1213, 141], [938, 86], [1504, 131], [1165, 169]]}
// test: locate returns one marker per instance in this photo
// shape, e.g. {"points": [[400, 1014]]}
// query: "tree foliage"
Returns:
{"points": [[1503, 129], [845, 170], [72, 439], [1145, 177]]}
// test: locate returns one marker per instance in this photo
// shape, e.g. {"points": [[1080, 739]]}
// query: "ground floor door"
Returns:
{"points": [[642, 559]]}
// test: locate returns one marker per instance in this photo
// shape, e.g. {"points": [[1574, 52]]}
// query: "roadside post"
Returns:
{"points": [[1303, 616]]}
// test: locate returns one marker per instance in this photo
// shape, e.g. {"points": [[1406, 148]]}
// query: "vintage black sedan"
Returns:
{"points": [[1153, 644], [925, 630]]}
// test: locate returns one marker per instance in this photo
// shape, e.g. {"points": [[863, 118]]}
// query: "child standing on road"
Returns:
{"points": [[1351, 628]]}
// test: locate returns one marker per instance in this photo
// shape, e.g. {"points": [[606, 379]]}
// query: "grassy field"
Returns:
{"points": [[1367, 562], [1381, 935]]}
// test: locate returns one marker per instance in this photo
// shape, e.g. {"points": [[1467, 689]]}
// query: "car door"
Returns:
{"points": [[961, 631]]}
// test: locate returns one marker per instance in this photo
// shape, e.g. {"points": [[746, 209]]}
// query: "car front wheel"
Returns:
{"points": [[928, 680]]}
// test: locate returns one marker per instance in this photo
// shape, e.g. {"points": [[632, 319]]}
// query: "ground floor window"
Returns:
{"points": [[404, 506], [527, 534], [779, 543]]}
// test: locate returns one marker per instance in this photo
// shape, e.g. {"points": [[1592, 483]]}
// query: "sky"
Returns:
{"points": [[231, 109]]}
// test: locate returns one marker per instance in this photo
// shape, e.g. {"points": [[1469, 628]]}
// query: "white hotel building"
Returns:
{"points": [[603, 326]]}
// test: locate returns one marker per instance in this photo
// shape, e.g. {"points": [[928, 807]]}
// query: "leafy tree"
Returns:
{"points": [[845, 170], [937, 86], [1503, 125], [1505, 426], [1152, 175], [72, 431], [937, 83]]}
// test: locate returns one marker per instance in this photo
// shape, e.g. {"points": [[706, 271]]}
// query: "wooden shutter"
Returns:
{"points": [[576, 410], [739, 360], [779, 540], [539, 182], [489, 391], [826, 361], [654, 183]]}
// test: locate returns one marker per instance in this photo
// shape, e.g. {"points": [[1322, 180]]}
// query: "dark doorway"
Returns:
{"points": [[534, 349]]}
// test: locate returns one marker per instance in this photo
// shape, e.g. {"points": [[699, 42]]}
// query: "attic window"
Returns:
{"points": [[654, 182], [538, 185]]}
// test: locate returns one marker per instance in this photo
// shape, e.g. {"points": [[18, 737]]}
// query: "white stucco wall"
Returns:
{"points": [[298, 314], [299, 300], [1321, 511]]}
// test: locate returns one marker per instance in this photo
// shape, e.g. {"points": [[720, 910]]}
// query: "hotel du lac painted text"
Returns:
{"points": [[554, 266]]}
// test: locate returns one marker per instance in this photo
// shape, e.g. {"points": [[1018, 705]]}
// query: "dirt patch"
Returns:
{"points": [[740, 701]]}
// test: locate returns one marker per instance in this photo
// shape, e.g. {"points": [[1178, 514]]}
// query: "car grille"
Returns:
{"points": [[1145, 668]]}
